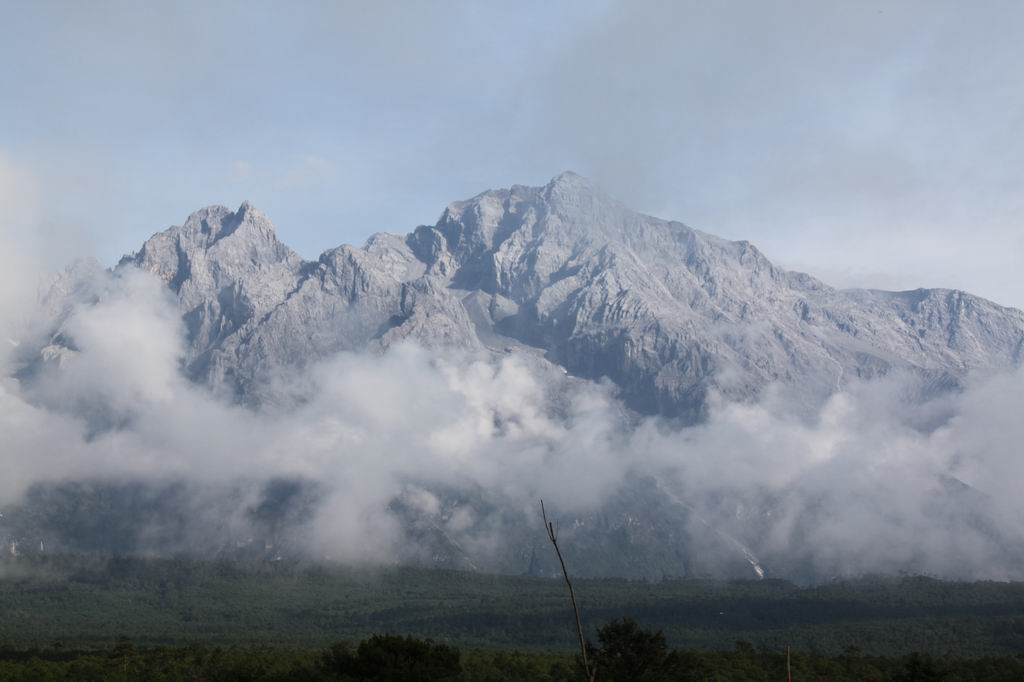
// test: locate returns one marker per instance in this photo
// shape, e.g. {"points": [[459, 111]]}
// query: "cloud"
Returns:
{"points": [[862, 487], [306, 172], [116, 406], [241, 170], [867, 484]]}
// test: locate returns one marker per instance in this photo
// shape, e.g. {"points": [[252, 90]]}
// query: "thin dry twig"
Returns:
{"points": [[549, 526]]}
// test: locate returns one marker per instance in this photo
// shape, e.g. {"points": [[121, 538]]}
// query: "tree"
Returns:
{"points": [[393, 658], [919, 668], [629, 652]]}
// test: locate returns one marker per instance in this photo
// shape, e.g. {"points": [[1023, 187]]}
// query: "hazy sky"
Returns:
{"points": [[871, 143]]}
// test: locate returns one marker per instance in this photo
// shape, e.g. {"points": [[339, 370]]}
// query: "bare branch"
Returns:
{"points": [[549, 526]]}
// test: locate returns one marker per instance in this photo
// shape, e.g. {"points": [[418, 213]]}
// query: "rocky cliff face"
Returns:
{"points": [[666, 312]]}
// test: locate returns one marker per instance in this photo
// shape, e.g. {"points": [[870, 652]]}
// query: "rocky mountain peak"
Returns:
{"points": [[214, 244], [208, 226], [668, 313], [568, 178], [571, 187]]}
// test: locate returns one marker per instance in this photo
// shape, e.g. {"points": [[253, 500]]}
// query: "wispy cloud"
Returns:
{"points": [[241, 170], [305, 172]]}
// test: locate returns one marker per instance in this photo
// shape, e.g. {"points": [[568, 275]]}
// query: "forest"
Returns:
{"points": [[626, 652], [94, 600], [96, 617]]}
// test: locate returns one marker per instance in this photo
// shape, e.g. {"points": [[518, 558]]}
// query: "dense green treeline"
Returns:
{"points": [[103, 618], [93, 601], [403, 659]]}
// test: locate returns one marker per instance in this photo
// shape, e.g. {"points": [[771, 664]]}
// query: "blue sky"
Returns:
{"points": [[873, 144]]}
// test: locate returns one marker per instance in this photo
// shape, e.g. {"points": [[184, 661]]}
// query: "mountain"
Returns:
{"points": [[668, 313], [578, 287]]}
